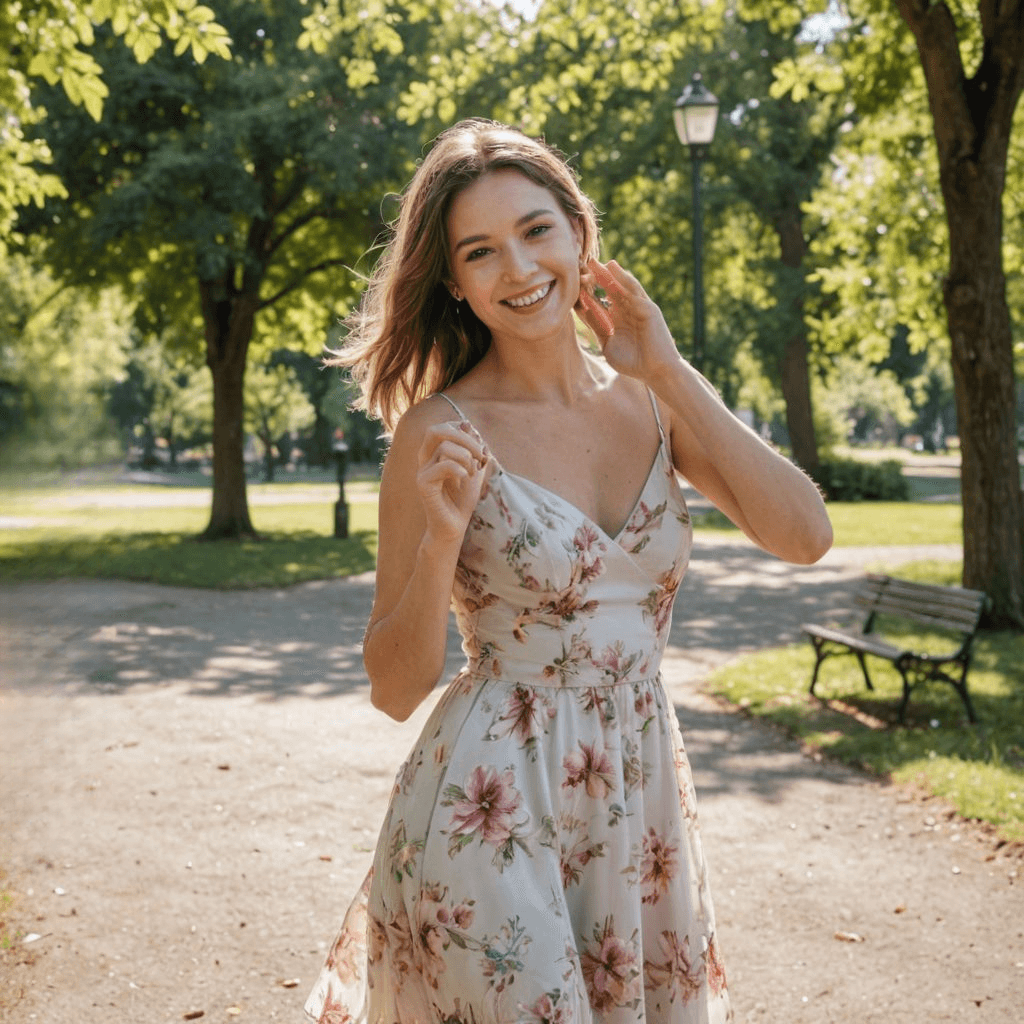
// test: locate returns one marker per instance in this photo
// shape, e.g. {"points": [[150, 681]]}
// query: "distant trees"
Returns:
{"points": [[215, 192]]}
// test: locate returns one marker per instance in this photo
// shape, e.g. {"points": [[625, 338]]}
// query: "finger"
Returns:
{"points": [[626, 283], [596, 316], [449, 451], [453, 434], [605, 278]]}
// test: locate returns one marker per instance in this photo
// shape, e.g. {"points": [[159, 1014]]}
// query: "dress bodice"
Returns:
{"points": [[544, 596]]}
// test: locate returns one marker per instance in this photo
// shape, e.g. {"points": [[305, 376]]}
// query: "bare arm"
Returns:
{"points": [[430, 486], [772, 501]]}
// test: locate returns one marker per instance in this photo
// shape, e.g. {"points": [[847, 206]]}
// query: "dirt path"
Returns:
{"points": [[191, 784]]}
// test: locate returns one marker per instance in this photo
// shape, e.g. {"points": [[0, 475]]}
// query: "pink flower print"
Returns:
{"points": [[335, 1012], [589, 548], [550, 1008], [471, 588], [524, 715], [615, 663], [487, 808], [658, 602], [591, 768], [376, 939], [642, 522], [715, 968], [660, 864], [576, 857], [675, 970], [643, 704], [398, 943], [610, 969], [435, 925]]}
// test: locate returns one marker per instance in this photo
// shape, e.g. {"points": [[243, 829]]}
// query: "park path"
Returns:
{"points": [[191, 783]]}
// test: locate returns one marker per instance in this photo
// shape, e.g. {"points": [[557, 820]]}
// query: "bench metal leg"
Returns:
{"points": [[864, 669], [932, 674], [820, 655]]}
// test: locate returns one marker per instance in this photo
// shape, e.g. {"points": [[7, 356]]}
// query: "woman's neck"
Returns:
{"points": [[555, 369]]}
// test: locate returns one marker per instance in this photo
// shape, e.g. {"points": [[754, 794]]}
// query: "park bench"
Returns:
{"points": [[953, 610]]}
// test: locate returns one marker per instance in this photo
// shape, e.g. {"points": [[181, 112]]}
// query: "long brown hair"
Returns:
{"points": [[409, 337]]}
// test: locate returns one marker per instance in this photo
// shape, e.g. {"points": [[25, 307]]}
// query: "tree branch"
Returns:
{"points": [[934, 32], [315, 269]]}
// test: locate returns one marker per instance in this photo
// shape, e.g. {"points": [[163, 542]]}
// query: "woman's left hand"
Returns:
{"points": [[639, 341]]}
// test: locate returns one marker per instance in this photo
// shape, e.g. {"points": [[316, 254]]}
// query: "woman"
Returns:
{"points": [[540, 859]]}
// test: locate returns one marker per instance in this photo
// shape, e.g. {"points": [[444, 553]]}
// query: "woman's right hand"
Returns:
{"points": [[453, 467]]}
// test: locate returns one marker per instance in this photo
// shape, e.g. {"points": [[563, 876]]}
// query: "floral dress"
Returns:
{"points": [[540, 860]]}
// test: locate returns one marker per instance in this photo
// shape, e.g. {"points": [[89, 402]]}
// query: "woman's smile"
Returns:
{"points": [[531, 299]]}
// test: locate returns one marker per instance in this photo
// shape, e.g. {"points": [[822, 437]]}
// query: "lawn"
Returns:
{"points": [[106, 535], [978, 769], [147, 532]]}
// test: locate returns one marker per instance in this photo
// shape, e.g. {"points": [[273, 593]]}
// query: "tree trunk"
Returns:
{"points": [[972, 120], [794, 376], [228, 318], [983, 381]]}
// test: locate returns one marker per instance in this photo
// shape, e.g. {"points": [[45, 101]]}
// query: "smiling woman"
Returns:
{"points": [[540, 859]]}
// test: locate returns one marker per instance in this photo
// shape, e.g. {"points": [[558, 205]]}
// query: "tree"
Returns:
{"points": [[47, 38], [163, 396], [223, 192], [972, 116], [58, 347], [275, 406], [971, 59]]}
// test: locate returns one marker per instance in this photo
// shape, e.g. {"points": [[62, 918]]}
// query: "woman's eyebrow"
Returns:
{"points": [[473, 239]]}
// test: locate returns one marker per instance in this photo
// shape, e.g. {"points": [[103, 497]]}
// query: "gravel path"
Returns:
{"points": [[191, 783]]}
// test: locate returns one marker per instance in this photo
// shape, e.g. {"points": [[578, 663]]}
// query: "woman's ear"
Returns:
{"points": [[454, 289]]}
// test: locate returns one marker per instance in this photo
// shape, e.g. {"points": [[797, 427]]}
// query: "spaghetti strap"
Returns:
{"points": [[657, 415], [441, 394]]}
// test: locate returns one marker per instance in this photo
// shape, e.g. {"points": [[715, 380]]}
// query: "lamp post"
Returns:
{"points": [[340, 451], [696, 116]]}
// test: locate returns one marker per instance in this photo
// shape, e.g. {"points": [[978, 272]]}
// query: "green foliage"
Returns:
{"points": [[162, 399], [49, 39], [276, 406], [868, 401], [856, 480], [58, 349], [979, 770]]}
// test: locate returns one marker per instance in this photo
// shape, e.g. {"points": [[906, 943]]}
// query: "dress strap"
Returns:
{"points": [[441, 394], [657, 415]]}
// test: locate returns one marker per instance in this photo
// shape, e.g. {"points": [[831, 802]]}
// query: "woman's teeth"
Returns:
{"points": [[529, 300]]}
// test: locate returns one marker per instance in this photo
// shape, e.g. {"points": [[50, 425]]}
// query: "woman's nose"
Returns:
{"points": [[519, 263]]}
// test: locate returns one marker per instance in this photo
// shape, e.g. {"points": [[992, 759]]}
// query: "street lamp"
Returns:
{"points": [[696, 116]]}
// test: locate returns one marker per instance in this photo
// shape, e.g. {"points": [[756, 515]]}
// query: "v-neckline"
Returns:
{"points": [[615, 539]]}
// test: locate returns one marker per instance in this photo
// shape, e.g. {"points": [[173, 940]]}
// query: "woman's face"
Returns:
{"points": [[515, 255]]}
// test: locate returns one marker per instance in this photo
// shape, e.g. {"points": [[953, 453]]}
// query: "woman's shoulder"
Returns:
{"points": [[420, 417]]}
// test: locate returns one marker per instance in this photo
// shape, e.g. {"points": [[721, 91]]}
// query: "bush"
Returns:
{"points": [[853, 480]]}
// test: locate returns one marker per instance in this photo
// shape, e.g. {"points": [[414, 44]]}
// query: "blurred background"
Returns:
{"points": [[193, 194]]}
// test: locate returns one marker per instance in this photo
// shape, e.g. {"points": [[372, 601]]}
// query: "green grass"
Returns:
{"points": [[978, 769], [158, 545], [105, 529], [870, 523]]}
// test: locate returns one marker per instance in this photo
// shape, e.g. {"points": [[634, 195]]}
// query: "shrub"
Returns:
{"points": [[853, 480]]}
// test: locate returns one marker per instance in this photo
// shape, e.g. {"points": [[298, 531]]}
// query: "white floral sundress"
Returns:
{"points": [[540, 861]]}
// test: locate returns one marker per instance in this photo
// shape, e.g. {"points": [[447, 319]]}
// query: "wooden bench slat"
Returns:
{"points": [[865, 642]]}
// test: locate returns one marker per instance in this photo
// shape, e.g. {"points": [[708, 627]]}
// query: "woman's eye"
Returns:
{"points": [[476, 254], [538, 229]]}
